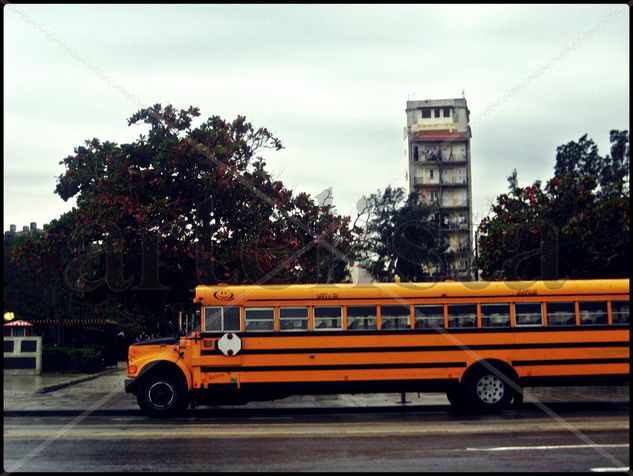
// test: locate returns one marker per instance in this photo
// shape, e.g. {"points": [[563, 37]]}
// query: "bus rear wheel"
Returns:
{"points": [[456, 398], [488, 391], [162, 395]]}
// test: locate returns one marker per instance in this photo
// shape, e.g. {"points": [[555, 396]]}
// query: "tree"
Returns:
{"points": [[577, 227], [510, 239], [402, 237], [24, 295], [181, 206]]}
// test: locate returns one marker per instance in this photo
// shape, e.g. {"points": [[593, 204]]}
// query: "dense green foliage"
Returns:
{"points": [[23, 292], [577, 226], [402, 237], [178, 207], [76, 360]]}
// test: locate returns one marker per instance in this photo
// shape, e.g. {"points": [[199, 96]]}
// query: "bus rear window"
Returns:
{"points": [[561, 314], [361, 318], [593, 313], [620, 312], [462, 315]]}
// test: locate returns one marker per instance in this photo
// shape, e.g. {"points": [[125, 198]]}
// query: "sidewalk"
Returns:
{"points": [[63, 391], [48, 382]]}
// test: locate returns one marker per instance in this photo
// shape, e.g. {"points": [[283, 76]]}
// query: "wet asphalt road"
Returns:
{"points": [[577, 436]]}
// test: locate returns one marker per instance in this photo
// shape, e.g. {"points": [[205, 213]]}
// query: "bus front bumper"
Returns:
{"points": [[130, 385]]}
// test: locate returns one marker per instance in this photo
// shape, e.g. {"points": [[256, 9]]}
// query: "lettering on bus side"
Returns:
{"points": [[527, 292], [215, 376], [327, 296]]}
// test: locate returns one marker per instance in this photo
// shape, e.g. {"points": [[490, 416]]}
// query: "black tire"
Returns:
{"points": [[162, 395], [457, 398], [517, 401], [487, 390]]}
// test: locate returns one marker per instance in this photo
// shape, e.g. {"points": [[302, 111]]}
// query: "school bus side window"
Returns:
{"points": [[231, 319], [395, 317], [293, 318], [462, 315], [361, 318], [561, 314], [328, 318], [222, 319], [593, 313], [620, 312], [528, 314], [260, 319], [495, 315], [429, 316]]}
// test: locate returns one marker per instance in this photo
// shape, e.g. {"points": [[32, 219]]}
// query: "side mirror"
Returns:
{"points": [[184, 323], [188, 319]]}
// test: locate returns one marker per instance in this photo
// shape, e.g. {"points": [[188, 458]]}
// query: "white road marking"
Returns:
{"points": [[553, 447], [623, 469]]}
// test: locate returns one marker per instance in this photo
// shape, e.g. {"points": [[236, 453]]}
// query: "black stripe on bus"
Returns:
{"points": [[373, 386], [522, 363], [336, 386], [428, 348], [442, 330], [282, 368], [565, 380]]}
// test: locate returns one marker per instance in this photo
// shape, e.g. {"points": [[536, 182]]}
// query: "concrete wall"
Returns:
{"points": [[458, 121]]}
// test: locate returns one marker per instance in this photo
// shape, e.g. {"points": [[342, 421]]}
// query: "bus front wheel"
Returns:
{"points": [[162, 395]]}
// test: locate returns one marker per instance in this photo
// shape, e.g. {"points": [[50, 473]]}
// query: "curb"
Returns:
{"points": [[57, 386]]}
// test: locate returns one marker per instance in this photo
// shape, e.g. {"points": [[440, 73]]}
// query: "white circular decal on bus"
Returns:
{"points": [[230, 344]]}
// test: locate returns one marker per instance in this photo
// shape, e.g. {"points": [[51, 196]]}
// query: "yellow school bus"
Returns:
{"points": [[480, 342]]}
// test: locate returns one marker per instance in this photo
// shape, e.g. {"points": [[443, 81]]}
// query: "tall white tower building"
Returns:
{"points": [[437, 149]]}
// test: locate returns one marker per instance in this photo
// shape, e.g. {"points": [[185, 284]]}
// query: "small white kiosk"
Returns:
{"points": [[22, 350]]}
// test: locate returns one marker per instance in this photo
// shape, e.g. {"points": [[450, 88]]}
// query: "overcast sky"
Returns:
{"points": [[330, 81]]}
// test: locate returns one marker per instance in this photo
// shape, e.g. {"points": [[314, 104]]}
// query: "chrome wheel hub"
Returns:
{"points": [[161, 394], [490, 389]]}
